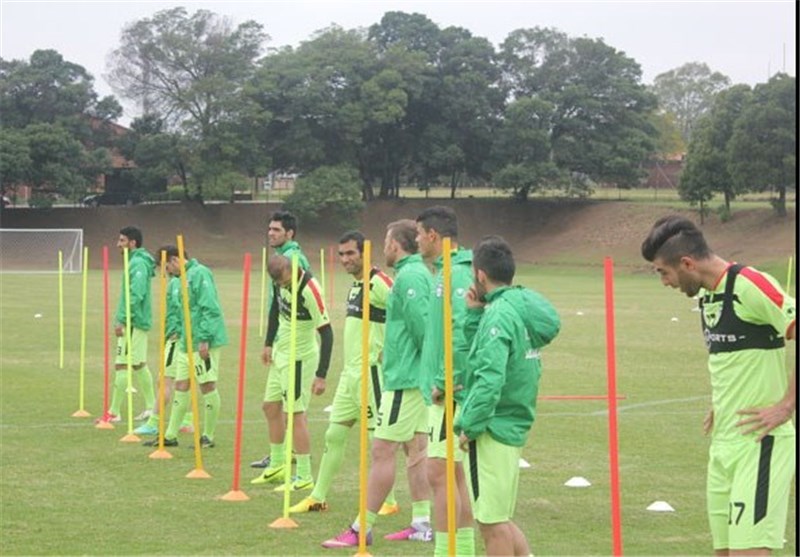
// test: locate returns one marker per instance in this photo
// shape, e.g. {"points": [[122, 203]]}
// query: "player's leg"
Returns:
{"points": [[207, 377], [276, 424], [144, 378]]}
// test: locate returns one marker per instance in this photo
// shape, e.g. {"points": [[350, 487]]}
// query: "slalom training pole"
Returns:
{"points": [[447, 270], [285, 521], [130, 437], [198, 472], [363, 466], [332, 276], [613, 451], [263, 291], [161, 452], [789, 274], [322, 269], [102, 424], [81, 411], [235, 494], [61, 309]]}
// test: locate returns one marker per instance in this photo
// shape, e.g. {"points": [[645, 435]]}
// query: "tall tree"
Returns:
{"points": [[688, 92]]}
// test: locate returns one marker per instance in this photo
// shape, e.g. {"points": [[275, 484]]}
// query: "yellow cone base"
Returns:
{"points": [[365, 554], [198, 474], [160, 454], [81, 414], [235, 496], [104, 425], [130, 438], [283, 523]]}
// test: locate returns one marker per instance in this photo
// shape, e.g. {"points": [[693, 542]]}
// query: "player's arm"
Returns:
{"points": [[210, 312], [272, 325], [312, 294], [416, 300]]}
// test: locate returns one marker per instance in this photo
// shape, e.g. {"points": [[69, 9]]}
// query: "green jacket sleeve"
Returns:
{"points": [[209, 311], [140, 284], [415, 307], [472, 319]]}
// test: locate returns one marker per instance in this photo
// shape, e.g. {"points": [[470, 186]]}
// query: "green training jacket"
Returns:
{"points": [[406, 314], [208, 323], [174, 308], [503, 368], [141, 269], [291, 247], [433, 348]]}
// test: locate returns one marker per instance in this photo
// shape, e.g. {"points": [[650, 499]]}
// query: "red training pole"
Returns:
{"points": [[235, 494], [613, 451]]}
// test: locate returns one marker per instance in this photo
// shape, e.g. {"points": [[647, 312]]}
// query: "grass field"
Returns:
{"points": [[67, 488]]}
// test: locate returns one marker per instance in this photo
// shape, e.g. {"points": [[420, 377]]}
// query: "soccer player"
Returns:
{"points": [[506, 326], [208, 337], [347, 400], [311, 356], [141, 269], [746, 317], [172, 331], [433, 225], [281, 232], [402, 418]]}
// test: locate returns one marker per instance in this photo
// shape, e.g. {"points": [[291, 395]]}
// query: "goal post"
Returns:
{"points": [[35, 250]]}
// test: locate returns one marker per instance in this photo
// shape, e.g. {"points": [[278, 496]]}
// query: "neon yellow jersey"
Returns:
{"points": [[747, 359], [311, 315], [379, 287]]}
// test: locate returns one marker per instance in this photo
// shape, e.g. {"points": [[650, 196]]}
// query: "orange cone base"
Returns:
{"points": [[365, 554], [235, 496], [131, 438], [198, 474], [81, 414], [283, 523], [160, 454], [104, 425]]}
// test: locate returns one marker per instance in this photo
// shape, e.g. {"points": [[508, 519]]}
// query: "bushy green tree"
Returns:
{"points": [[332, 192]]}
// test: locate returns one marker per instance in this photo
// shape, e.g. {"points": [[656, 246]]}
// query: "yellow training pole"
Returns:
{"points": [[81, 412], [130, 437], [61, 309], [161, 452], [322, 270], [362, 430], [285, 521], [447, 269], [198, 472], [263, 291], [789, 274]]}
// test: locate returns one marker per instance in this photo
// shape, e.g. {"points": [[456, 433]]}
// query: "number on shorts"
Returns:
{"points": [[740, 506]]}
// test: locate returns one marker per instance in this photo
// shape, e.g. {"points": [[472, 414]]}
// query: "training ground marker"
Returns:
{"points": [[661, 506], [577, 481]]}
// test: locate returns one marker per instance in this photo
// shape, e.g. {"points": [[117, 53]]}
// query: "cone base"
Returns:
{"points": [[283, 523], [130, 438], [235, 496], [80, 414], [365, 554], [104, 425], [160, 454], [198, 474]]}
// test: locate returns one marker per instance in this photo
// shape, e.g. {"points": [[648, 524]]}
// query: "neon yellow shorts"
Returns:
{"points": [[206, 370], [278, 381], [437, 440], [402, 414], [347, 400], [493, 478], [747, 490], [139, 352]]}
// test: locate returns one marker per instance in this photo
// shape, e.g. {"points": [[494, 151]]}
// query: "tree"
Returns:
{"points": [[332, 192], [763, 147], [688, 92]]}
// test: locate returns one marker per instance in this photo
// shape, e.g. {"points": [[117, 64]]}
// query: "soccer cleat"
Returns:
{"points": [[145, 429], [309, 505], [269, 475], [167, 442], [424, 534], [205, 443], [297, 485], [187, 428], [144, 415], [389, 508], [264, 462], [108, 417], [348, 538]]}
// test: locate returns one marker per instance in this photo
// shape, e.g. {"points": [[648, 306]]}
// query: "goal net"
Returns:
{"points": [[35, 250]]}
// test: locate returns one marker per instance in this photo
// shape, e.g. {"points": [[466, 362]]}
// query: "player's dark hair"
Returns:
{"points": [[353, 236], [493, 256], [673, 237], [287, 220], [404, 232], [172, 251], [441, 219], [132, 233]]}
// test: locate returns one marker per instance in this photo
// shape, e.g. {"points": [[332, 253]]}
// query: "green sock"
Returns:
{"points": [[465, 542], [152, 421], [371, 519], [188, 419], [440, 544], [179, 405], [145, 381], [421, 511], [212, 402], [277, 453], [118, 395], [332, 458], [304, 466]]}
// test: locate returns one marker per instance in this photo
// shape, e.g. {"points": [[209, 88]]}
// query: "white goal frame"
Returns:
{"points": [[38, 253]]}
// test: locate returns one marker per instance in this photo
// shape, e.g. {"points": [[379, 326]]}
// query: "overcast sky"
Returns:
{"points": [[747, 41]]}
